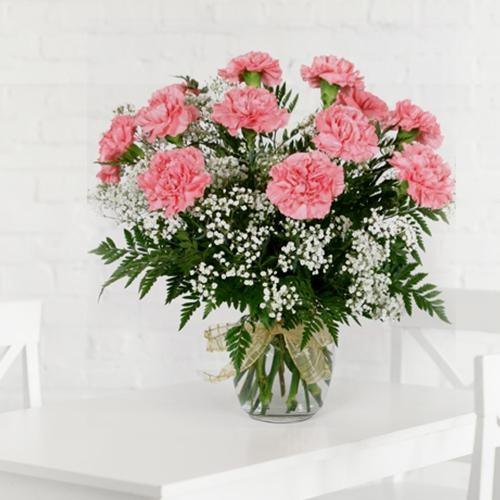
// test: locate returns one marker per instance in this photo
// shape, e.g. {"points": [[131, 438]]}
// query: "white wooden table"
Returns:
{"points": [[193, 442]]}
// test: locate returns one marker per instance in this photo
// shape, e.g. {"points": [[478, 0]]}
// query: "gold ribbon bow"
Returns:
{"points": [[311, 361]]}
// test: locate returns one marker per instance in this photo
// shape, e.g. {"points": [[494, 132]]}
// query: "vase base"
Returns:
{"points": [[282, 419]]}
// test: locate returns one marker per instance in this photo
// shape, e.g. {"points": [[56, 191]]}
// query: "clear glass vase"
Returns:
{"points": [[272, 389]]}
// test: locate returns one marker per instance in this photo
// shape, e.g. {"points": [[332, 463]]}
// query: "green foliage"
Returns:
{"points": [[175, 287], [419, 219], [108, 251], [188, 309], [312, 325], [427, 299], [143, 256], [324, 296], [285, 97], [238, 339], [139, 257], [408, 282]]}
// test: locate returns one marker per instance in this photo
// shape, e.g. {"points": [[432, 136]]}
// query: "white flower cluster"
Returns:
{"points": [[342, 225], [307, 247], [126, 203], [218, 213], [248, 243], [203, 281], [388, 228], [217, 87], [247, 246], [356, 169], [278, 297], [204, 129], [369, 290], [370, 287], [307, 125], [169, 227], [308, 243], [366, 255], [226, 169], [215, 211], [242, 271]]}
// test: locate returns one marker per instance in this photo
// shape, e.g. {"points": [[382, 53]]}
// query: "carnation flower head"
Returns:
{"points": [[162, 95], [174, 180], [259, 62], [166, 113], [408, 116], [332, 69], [369, 104], [117, 138], [345, 132], [429, 178], [250, 108], [304, 185], [109, 174]]}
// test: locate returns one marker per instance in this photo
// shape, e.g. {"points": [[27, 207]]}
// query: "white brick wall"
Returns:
{"points": [[65, 64]]}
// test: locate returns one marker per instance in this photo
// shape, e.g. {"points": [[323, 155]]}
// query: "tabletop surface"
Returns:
{"points": [[143, 441]]}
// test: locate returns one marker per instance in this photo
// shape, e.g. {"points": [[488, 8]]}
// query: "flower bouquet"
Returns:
{"points": [[302, 228]]}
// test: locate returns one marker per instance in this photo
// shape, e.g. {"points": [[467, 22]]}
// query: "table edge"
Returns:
{"points": [[185, 486]]}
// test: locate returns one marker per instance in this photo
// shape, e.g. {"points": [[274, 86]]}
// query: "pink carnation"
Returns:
{"points": [[251, 108], [166, 114], [109, 174], [260, 62], [409, 116], [428, 176], [305, 184], [174, 180], [117, 138], [164, 94], [333, 70], [346, 133], [369, 104]]}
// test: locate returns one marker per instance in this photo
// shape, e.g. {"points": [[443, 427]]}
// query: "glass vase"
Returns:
{"points": [[273, 389]]}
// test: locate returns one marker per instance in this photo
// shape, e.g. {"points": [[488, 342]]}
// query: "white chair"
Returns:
{"points": [[468, 310], [487, 439], [20, 334]]}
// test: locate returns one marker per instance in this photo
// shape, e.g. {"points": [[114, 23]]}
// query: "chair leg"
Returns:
{"points": [[32, 392], [483, 461]]}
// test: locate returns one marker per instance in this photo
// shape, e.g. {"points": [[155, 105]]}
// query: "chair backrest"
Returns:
{"points": [[468, 310], [487, 402], [20, 334], [474, 310]]}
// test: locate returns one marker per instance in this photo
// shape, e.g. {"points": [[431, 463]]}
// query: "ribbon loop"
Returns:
{"points": [[312, 361]]}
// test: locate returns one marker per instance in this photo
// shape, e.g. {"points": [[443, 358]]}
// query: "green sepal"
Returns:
{"points": [[177, 140], [405, 136], [329, 92], [403, 189], [249, 136], [129, 156], [252, 78]]}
